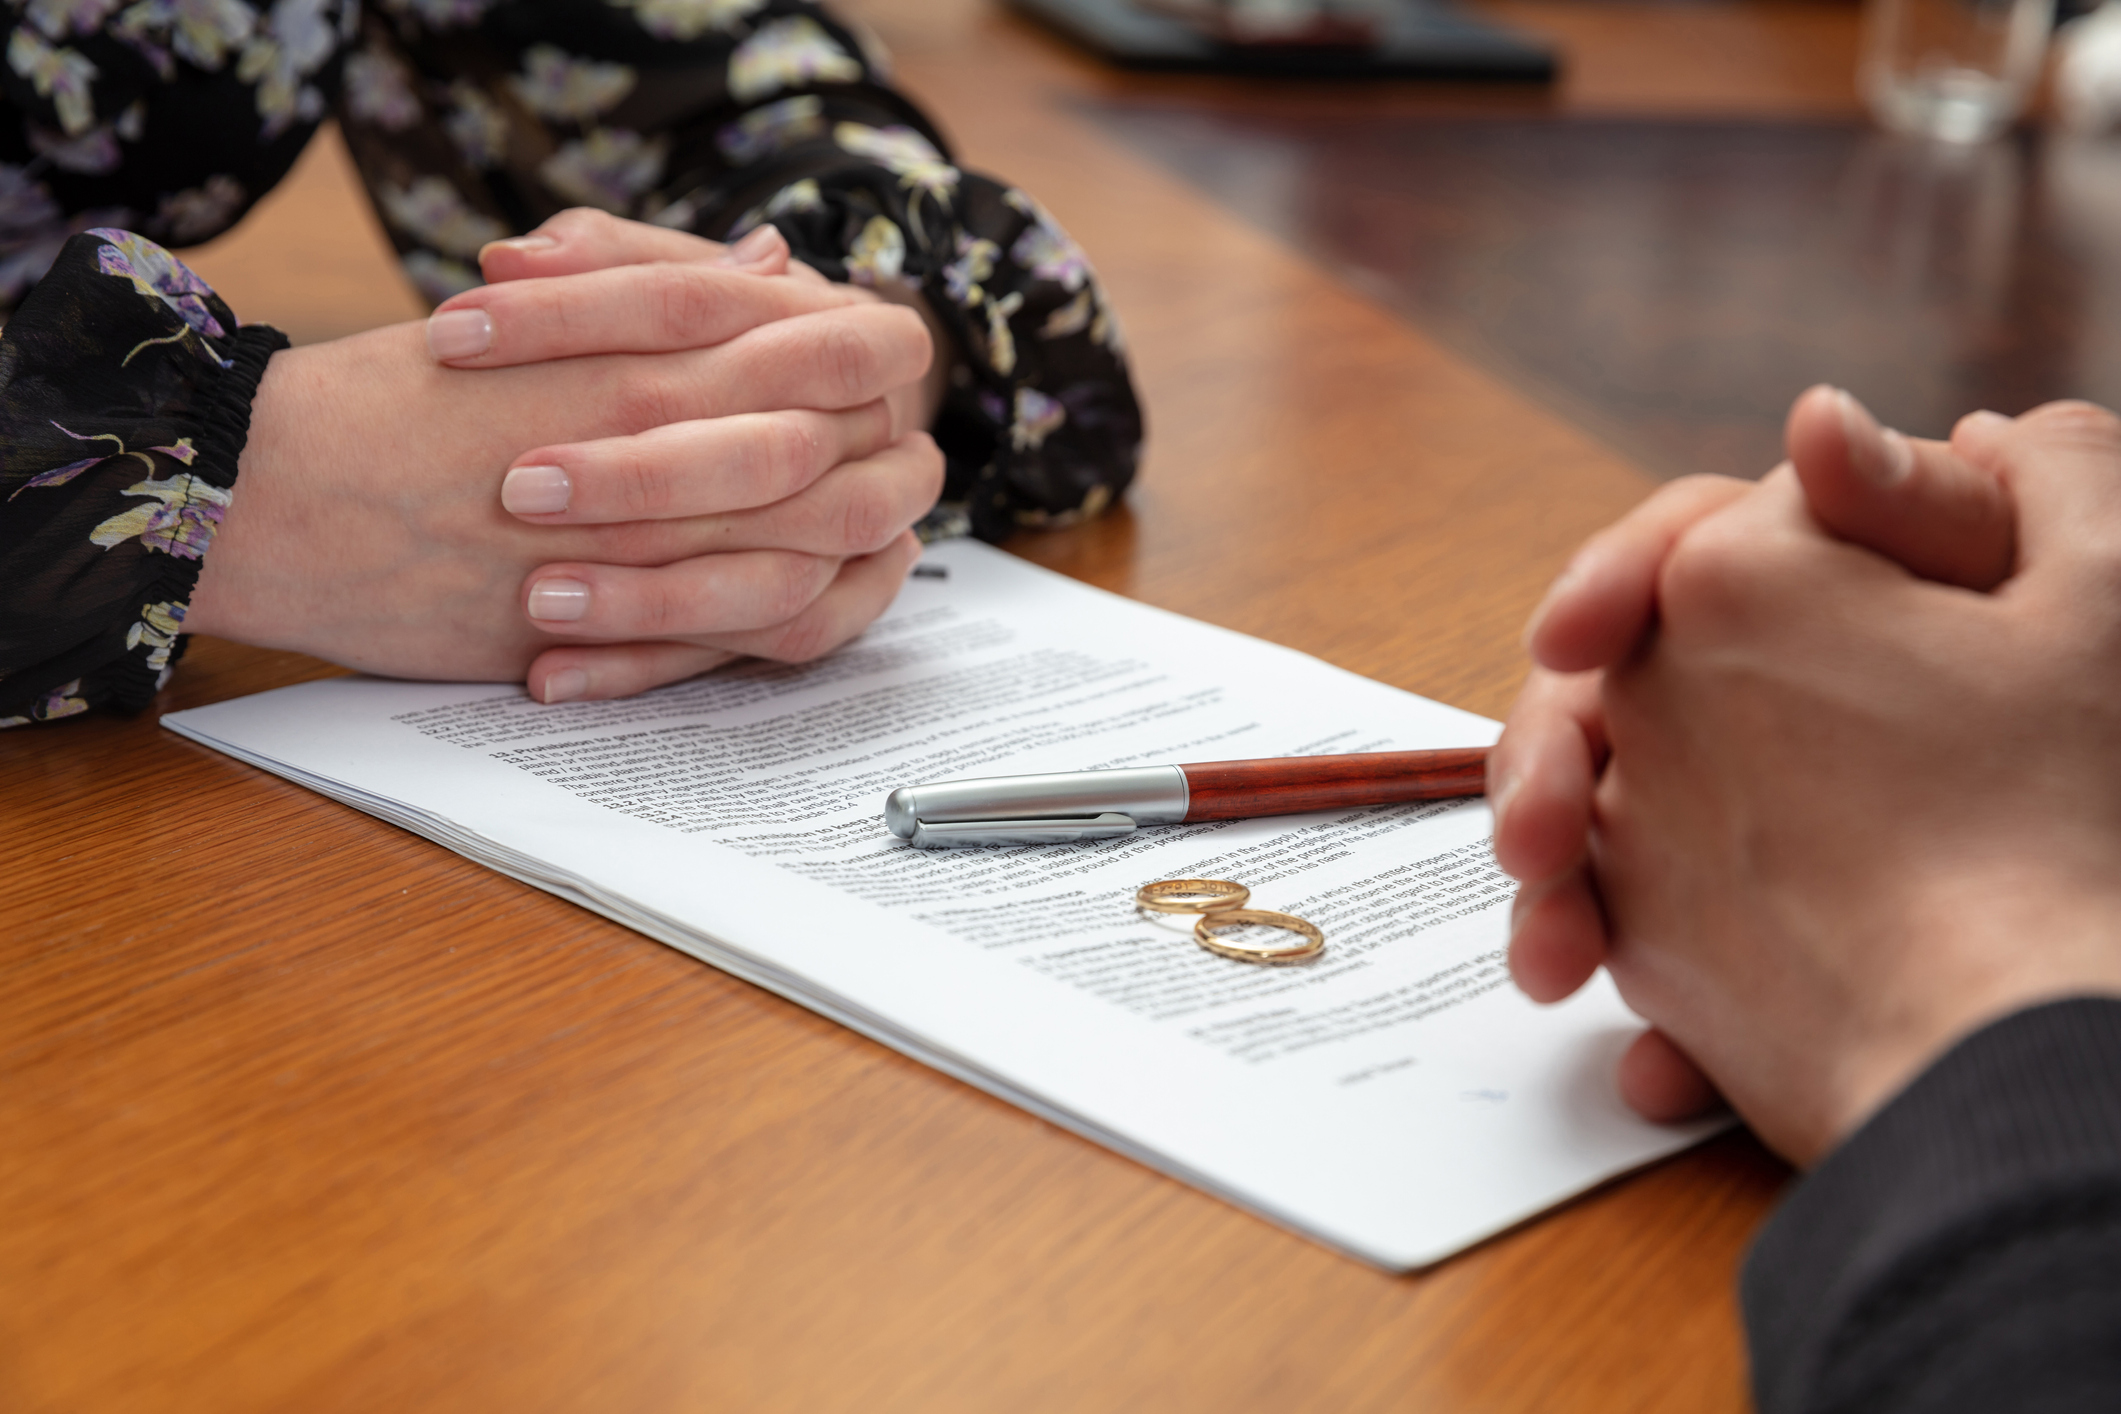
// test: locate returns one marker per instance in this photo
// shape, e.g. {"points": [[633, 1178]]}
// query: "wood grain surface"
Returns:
{"points": [[1672, 285], [299, 1112]]}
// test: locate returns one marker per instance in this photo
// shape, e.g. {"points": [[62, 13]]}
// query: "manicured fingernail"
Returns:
{"points": [[459, 333], [759, 245], [529, 244], [559, 600], [535, 490], [1879, 455], [566, 685]]}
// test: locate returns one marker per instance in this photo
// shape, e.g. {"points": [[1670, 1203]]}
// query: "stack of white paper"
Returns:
{"points": [[1395, 1098]]}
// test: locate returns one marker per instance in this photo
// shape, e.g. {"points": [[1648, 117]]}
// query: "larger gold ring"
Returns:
{"points": [[1312, 941], [1191, 896]]}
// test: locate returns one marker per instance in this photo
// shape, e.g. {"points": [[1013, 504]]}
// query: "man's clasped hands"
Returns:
{"points": [[632, 456], [1825, 771]]}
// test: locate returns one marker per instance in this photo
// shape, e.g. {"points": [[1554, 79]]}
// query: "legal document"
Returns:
{"points": [[1395, 1097]]}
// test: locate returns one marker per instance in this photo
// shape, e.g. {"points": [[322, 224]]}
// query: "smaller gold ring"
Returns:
{"points": [[1313, 941], [1191, 896]]}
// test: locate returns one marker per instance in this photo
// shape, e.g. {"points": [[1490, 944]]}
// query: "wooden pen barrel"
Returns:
{"points": [[1233, 790]]}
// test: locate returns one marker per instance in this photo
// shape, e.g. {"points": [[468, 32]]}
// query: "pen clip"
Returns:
{"points": [[1065, 829]]}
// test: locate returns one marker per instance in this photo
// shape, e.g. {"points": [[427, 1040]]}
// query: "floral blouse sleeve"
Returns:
{"points": [[470, 120], [125, 392]]}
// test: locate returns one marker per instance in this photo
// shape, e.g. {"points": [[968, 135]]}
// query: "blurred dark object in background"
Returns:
{"points": [[1297, 38], [1340, 24], [1671, 285]]}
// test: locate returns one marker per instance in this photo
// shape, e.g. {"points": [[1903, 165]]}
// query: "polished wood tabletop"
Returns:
{"points": [[300, 1112]]}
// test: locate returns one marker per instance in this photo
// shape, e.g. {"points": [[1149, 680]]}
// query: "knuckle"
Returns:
{"points": [[662, 606], [869, 517], [789, 584], [681, 303], [788, 452], [2080, 422], [645, 399], [580, 222], [810, 636], [636, 542], [1681, 500], [1696, 485], [847, 360], [636, 483], [1705, 577]]}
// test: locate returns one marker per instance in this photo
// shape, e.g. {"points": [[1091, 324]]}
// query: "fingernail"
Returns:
{"points": [[529, 244], [1519, 911], [566, 685], [759, 245], [459, 333], [1983, 420], [559, 600], [535, 490], [1563, 582], [1499, 793], [1879, 455]]}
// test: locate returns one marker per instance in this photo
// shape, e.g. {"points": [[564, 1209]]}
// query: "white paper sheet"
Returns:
{"points": [[1395, 1098]]}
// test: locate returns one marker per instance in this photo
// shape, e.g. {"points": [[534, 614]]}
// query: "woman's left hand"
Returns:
{"points": [[368, 527], [823, 484]]}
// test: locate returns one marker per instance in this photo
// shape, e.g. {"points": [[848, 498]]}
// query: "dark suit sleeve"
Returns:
{"points": [[1962, 1251]]}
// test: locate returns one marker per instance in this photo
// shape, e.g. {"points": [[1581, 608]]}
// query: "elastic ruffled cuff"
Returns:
{"points": [[125, 397], [131, 681]]}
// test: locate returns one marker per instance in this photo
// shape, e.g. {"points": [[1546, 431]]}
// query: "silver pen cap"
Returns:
{"points": [[1066, 806]]}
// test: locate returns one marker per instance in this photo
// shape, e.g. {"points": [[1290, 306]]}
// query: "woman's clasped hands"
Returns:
{"points": [[633, 456]]}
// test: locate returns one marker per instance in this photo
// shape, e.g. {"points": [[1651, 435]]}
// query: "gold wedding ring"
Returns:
{"points": [[1191, 896], [1310, 941]]}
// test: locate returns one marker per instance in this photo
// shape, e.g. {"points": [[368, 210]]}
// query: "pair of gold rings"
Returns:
{"points": [[1221, 904]]}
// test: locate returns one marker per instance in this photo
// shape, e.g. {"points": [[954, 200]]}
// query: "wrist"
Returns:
{"points": [[223, 449], [225, 601], [2043, 941]]}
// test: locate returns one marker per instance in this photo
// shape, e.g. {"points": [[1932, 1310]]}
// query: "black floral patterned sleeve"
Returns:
{"points": [[125, 392], [472, 120]]}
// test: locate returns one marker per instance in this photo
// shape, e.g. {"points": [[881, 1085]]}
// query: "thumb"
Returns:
{"points": [[1917, 503], [2059, 463]]}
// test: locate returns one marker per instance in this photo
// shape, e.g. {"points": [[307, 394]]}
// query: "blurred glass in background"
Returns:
{"points": [[1954, 70], [2088, 71]]}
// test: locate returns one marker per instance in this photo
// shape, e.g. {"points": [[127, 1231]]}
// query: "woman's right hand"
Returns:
{"points": [[585, 241], [587, 282], [367, 528]]}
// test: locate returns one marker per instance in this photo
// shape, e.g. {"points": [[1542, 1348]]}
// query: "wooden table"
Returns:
{"points": [[298, 1112]]}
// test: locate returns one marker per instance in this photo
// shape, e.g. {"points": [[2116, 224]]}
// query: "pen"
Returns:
{"points": [[1098, 805]]}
